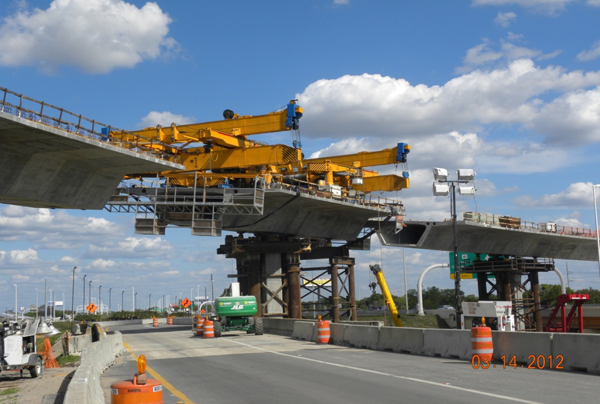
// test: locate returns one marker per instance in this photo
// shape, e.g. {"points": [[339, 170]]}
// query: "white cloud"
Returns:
{"points": [[19, 257], [593, 53], [483, 54], [164, 118], [52, 229], [132, 247], [96, 36], [546, 6], [578, 194], [341, 1], [594, 3], [385, 107], [505, 19]]}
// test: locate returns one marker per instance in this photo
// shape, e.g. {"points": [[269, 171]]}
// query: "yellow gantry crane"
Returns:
{"points": [[387, 296], [219, 152]]}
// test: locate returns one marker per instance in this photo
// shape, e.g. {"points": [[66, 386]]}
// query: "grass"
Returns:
{"points": [[8, 396], [67, 360]]}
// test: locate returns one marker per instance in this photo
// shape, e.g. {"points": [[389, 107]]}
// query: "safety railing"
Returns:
{"points": [[41, 112], [511, 223]]}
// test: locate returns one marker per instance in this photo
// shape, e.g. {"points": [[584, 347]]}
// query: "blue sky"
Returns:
{"points": [[510, 88]]}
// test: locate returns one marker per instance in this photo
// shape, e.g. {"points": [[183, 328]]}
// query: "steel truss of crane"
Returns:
{"points": [[200, 208], [504, 276]]}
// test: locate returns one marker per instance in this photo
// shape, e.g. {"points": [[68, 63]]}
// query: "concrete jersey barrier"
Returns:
{"points": [[574, 352], [85, 386]]}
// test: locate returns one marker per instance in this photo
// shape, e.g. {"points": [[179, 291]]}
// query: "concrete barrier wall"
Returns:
{"points": [[85, 386], [570, 351], [279, 326], [77, 343]]}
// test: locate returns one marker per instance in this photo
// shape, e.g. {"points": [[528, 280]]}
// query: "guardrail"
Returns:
{"points": [[517, 224], [41, 112]]}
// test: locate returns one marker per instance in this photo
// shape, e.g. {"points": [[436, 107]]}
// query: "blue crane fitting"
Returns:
{"points": [[292, 117], [403, 150]]}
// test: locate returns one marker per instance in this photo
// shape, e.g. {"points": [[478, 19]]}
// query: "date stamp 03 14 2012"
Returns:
{"points": [[533, 362]]}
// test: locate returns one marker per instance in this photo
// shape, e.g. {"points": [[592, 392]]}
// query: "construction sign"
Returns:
{"points": [[186, 303], [91, 308]]}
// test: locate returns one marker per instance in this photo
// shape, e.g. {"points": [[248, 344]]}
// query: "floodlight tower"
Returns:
{"points": [[441, 187]]}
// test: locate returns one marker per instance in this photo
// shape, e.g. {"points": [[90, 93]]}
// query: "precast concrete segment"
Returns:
{"points": [[45, 167], [479, 238], [304, 215]]}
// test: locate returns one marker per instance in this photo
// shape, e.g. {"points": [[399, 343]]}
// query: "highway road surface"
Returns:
{"points": [[241, 368]]}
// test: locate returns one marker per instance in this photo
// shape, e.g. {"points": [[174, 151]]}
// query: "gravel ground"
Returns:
{"points": [[48, 389]]}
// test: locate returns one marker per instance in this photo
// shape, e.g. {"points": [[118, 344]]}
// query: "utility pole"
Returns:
{"points": [[73, 299], [83, 303]]}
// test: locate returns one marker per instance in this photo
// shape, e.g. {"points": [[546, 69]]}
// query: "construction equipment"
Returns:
{"points": [[387, 296], [219, 154], [18, 348], [232, 312], [235, 314], [565, 324]]}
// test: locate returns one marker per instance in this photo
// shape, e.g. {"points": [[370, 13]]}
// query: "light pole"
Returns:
{"points": [[83, 304], [135, 302], [63, 306], [52, 303], [90, 291], [441, 188], [109, 298], [122, 294], [100, 298], [596, 217], [16, 307], [149, 300], [37, 305]]}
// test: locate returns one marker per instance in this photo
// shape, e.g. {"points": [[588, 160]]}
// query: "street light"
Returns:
{"points": [[37, 305], [90, 291], [149, 300], [596, 217], [16, 307], [135, 302], [109, 298], [441, 187], [83, 304], [100, 298], [122, 294], [52, 304]]}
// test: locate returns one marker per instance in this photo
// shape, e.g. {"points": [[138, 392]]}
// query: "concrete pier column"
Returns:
{"points": [[273, 277]]}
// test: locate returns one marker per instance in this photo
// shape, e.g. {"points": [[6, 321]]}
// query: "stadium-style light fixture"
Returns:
{"points": [[442, 187]]}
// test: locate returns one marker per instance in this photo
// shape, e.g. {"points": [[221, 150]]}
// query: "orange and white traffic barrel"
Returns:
{"points": [[139, 390], [200, 326], [170, 320], [155, 322], [323, 331], [481, 342], [209, 329]]}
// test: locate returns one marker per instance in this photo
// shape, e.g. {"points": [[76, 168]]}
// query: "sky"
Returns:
{"points": [[509, 88]]}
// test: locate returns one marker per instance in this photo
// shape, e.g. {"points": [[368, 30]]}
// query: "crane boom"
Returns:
{"points": [[230, 132], [387, 296]]}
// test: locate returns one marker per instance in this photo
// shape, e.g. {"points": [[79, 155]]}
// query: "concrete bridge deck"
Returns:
{"points": [[482, 238]]}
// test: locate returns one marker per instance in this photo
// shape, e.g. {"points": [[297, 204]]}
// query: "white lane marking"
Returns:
{"points": [[413, 379]]}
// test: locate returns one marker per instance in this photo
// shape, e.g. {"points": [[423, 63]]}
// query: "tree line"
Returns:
{"points": [[434, 297]]}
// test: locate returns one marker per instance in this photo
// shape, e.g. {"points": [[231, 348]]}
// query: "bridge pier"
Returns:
{"points": [[270, 269]]}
